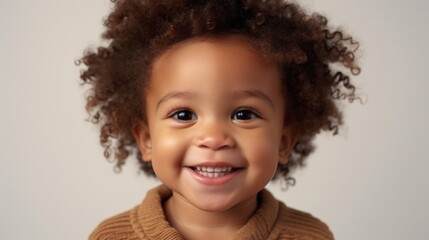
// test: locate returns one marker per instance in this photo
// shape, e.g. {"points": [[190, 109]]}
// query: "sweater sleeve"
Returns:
{"points": [[115, 228], [303, 224]]}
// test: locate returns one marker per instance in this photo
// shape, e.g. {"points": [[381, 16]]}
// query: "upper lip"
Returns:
{"points": [[214, 164]]}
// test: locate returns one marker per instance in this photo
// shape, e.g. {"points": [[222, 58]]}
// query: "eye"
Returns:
{"points": [[244, 114], [184, 115]]}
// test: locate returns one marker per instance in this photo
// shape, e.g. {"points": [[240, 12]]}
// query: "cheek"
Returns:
{"points": [[262, 151], [168, 148], [262, 160]]}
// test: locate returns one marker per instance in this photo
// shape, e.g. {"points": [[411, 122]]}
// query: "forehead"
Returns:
{"points": [[222, 57], [214, 70]]}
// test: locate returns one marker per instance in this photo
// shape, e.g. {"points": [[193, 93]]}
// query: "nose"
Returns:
{"points": [[214, 137]]}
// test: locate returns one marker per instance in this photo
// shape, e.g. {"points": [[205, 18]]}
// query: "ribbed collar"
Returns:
{"points": [[149, 221]]}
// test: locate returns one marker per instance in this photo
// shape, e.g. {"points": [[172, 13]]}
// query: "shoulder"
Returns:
{"points": [[117, 227], [302, 225], [146, 220]]}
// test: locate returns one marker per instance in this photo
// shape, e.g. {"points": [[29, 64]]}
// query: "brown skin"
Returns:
{"points": [[213, 101], [303, 47]]}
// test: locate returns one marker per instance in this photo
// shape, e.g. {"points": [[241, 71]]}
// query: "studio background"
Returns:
{"points": [[370, 182]]}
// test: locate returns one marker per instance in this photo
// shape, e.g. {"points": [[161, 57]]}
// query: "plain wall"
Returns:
{"points": [[368, 183]]}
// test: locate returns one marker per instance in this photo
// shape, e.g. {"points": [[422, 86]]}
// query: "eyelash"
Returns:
{"points": [[177, 110], [248, 108]]}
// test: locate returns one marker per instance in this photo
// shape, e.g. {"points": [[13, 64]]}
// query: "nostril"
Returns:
{"points": [[215, 142]]}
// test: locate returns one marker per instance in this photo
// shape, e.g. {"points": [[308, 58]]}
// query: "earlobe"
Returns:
{"points": [[287, 142], [142, 136], [283, 151]]}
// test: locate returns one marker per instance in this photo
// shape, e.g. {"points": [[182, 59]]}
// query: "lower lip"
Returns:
{"points": [[215, 180]]}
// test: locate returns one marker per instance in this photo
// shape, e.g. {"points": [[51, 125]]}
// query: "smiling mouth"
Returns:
{"points": [[213, 172]]}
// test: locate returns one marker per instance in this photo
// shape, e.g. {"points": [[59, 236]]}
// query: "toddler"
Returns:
{"points": [[216, 99]]}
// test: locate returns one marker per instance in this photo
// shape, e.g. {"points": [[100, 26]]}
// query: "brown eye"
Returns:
{"points": [[244, 114], [184, 115]]}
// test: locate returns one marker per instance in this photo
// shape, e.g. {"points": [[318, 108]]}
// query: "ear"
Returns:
{"points": [[287, 142], [142, 136]]}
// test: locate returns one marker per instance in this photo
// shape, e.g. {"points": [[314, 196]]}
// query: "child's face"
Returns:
{"points": [[214, 103]]}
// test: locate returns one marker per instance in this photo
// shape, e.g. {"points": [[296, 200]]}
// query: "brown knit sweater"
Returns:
{"points": [[272, 220]]}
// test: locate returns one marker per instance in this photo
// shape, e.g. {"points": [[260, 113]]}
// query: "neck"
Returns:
{"points": [[195, 223]]}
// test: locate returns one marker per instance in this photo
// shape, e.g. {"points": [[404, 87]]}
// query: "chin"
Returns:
{"points": [[214, 206]]}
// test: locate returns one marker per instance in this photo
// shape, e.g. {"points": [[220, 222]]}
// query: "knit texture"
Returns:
{"points": [[272, 220]]}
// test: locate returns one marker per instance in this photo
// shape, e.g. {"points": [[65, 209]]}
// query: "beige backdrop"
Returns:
{"points": [[368, 183]]}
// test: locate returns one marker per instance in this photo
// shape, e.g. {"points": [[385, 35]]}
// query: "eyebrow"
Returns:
{"points": [[175, 94], [242, 94], [255, 93]]}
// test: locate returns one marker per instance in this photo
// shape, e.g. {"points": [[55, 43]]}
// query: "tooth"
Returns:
{"points": [[204, 168], [229, 169], [198, 168], [218, 169], [224, 169], [210, 174], [204, 174], [221, 174], [210, 169], [216, 174]]}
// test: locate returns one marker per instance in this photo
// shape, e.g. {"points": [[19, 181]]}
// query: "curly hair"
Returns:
{"points": [[315, 60]]}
